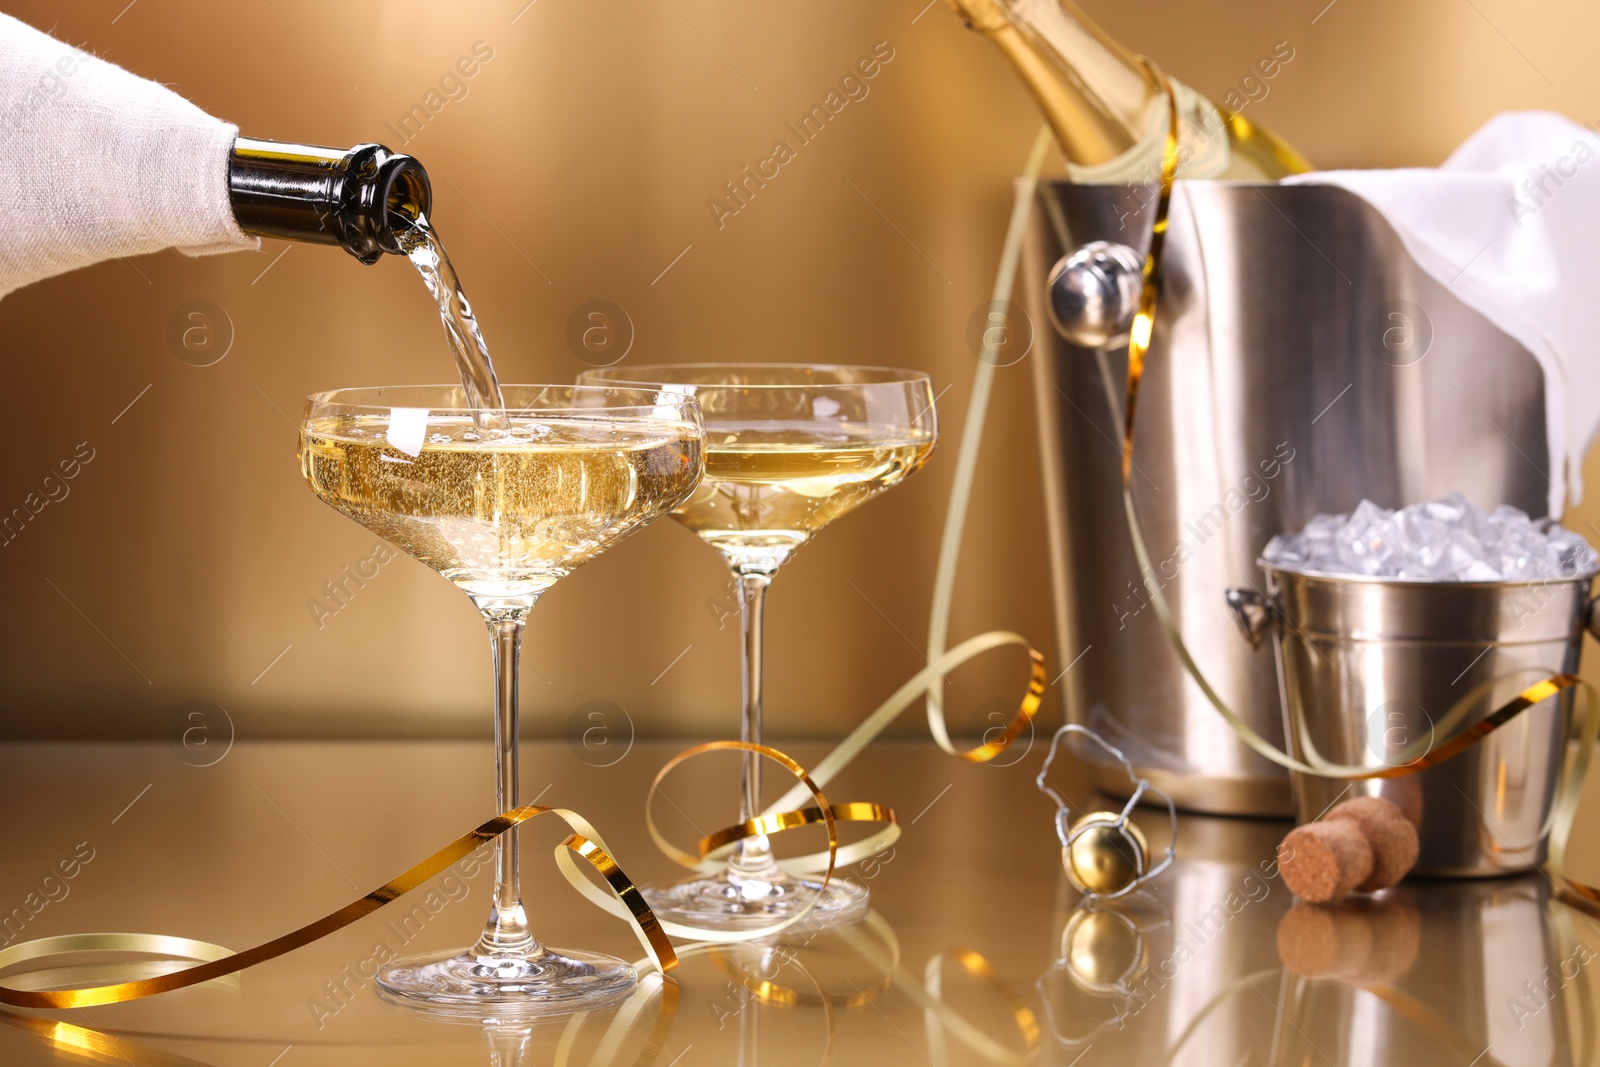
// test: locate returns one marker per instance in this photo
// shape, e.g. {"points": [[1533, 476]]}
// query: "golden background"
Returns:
{"points": [[577, 166]]}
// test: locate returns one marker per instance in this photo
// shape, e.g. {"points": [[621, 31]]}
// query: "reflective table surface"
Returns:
{"points": [[977, 950]]}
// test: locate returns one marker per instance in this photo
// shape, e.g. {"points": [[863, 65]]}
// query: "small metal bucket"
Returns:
{"points": [[1366, 666]]}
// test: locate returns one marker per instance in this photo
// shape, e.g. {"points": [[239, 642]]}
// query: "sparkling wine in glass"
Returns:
{"points": [[504, 512], [789, 449]]}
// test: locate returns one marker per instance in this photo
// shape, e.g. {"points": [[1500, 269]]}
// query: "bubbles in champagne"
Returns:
{"points": [[508, 511], [769, 486]]}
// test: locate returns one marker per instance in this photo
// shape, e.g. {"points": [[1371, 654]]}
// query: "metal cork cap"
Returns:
{"points": [[1106, 855]]}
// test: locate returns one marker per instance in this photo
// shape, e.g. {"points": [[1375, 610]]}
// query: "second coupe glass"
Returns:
{"points": [[789, 449]]}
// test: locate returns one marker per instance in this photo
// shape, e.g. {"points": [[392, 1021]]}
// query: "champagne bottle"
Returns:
{"points": [[355, 198], [1111, 117]]}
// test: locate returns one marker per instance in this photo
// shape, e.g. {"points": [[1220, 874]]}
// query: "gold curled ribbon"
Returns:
{"points": [[961, 484], [784, 814], [1423, 753], [917, 686], [710, 865], [585, 842], [1143, 328], [716, 845]]}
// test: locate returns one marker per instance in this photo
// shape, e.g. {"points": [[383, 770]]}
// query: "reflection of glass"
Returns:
{"points": [[504, 512], [620, 1034], [789, 449], [780, 1001]]}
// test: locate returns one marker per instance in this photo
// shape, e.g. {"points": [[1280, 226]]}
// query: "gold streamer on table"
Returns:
{"points": [[623, 900], [584, 842]]}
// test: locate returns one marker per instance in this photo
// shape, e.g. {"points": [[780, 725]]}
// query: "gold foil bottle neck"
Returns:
{"points": [[1108, 115]]}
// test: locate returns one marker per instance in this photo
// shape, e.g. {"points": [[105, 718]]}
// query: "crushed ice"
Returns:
{"points": [[1449, 540]]}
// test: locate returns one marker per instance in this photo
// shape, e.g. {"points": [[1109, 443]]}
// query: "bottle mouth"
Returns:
{"points": [[406, 196], [382, 196]]}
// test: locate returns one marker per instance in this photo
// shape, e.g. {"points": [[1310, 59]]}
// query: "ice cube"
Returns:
{"points": [[1366, 543], [1285, 548], [1451, 539]]}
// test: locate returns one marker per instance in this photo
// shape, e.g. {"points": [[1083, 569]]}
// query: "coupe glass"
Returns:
{"points": [[789, 449], [504, 507]]}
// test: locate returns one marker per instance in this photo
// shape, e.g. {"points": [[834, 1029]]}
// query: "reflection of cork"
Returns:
{"points": [[1363, 845], [1357, 940]]}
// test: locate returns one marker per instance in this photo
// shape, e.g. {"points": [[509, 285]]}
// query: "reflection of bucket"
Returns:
{"points": [[1292, 323], [1368, 666]]}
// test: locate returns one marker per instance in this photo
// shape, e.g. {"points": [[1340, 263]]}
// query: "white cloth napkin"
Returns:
{"points": [[1511, 224], [96, 163]]}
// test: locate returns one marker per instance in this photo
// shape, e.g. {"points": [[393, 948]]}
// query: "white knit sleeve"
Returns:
{"points": [[97, 163]]}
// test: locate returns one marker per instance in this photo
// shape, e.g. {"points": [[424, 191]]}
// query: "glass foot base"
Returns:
{"points": [[720, 903], [554, 982]]}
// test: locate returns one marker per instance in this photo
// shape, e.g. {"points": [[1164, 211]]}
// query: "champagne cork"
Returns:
{"points": [[1322, 861], [1392, 836], [1363, 845]]}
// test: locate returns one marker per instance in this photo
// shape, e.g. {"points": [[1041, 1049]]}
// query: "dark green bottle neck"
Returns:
{"points": [[354, 198]]}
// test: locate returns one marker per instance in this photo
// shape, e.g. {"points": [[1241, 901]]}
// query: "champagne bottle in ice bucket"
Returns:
{"points": [[1109, 115]]}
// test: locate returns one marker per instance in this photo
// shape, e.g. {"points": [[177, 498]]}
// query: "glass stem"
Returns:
{"points": [[752, 859], [506, 933], [507, 1043]]}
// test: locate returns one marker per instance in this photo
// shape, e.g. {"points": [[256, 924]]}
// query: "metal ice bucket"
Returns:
{"points": [[1369, 666], [1301, 362]]}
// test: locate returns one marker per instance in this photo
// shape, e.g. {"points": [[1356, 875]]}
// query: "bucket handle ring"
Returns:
{"points": [[1252, 613]]}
